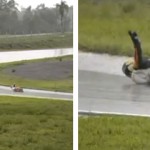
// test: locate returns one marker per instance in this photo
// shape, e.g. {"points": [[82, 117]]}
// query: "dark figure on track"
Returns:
{"points": [[16, 88], [138, 69]]}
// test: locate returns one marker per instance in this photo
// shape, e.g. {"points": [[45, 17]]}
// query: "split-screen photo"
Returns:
{"points": [[74, 75]]}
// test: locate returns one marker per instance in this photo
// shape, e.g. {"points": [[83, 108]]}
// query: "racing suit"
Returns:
{"points": [[139, 69]]}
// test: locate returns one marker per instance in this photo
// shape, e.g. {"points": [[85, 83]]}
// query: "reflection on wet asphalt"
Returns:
{"points": [[112, 93]]}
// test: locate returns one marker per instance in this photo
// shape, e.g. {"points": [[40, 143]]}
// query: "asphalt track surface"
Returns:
{"points": [[33, 54], [36, 93], [112, 94]]}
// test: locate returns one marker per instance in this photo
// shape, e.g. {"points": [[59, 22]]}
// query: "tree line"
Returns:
{"points": [[32, 21]]}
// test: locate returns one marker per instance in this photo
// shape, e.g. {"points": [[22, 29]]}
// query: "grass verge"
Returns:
{"points": [[65, 85], [111, 132], [9, 43], [30, 123], [104, 25]]}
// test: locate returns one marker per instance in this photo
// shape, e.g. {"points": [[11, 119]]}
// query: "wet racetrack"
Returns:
{"points": [[108, 93], [36, 93]]}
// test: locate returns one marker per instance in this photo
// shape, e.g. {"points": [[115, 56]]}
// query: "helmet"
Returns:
{"points": [[128, 68]]}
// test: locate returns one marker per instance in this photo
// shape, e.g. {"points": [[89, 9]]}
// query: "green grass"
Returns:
{"points": [[65, 85], [104, 25], [8, 43], [35, 124], [111, 132]]}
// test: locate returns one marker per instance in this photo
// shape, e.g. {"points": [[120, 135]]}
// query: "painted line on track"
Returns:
{"points": [[84, 112]]}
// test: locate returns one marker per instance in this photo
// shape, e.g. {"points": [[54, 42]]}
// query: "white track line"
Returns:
{"points": [[84, 112]]}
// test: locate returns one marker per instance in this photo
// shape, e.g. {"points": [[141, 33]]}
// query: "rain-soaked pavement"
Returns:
{"points": [[102, 91], [11, 56], [4, 90]]}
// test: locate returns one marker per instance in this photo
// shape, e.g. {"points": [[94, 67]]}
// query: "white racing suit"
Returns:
{"points": [[141, 76], [138, 69]]}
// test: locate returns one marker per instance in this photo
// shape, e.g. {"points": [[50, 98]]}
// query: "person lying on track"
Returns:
{"points": [[138, 68]]}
